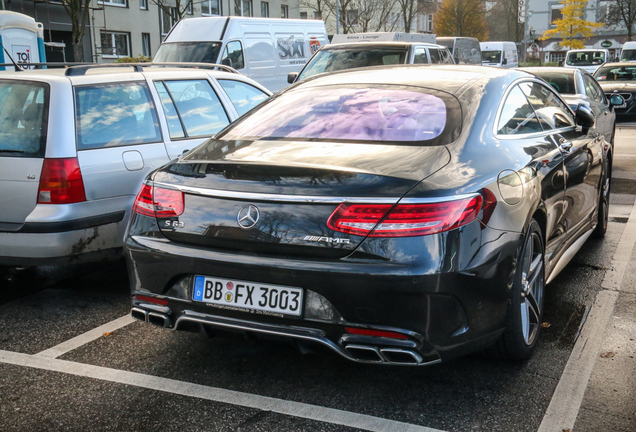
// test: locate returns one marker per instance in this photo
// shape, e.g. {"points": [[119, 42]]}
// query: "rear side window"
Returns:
{"points": [[192, 108], [517, 116], [24, 108], [111, 115], [345, 113], [243, 96]]}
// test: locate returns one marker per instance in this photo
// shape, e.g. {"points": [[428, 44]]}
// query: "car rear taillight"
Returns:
{"points": [[61, 182], [404, 220], [376, 333], [159, 202]]}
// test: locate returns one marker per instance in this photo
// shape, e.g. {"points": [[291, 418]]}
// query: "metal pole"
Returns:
{"points": [[337, 16], [525, 35]]}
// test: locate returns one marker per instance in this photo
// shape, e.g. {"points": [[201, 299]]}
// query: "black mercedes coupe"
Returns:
{"points": [[402, 215]]}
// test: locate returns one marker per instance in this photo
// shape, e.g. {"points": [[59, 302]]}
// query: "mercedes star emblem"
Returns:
{"points": [[247, 216]]}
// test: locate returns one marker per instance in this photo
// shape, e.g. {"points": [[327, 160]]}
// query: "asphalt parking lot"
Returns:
{"points": [[72, 359]]}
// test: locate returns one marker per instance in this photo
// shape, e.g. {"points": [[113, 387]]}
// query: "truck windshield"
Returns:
{"points": [[190, 52], [348, 58], [491, 56]]}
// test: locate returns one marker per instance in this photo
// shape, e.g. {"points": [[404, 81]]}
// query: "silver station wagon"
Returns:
{"points": [[76, 144]]}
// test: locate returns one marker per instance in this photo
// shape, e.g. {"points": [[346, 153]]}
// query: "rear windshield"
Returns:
{"points": [[586, 58], [349, 58], [615, 73], [378, 114], [24, 108], [193, 52]]}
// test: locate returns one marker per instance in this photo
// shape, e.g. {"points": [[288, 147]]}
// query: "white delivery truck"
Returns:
{"points": [[465, 50], [587, 59], [499, 54], [629, 51], [265, 49], [22, 39]]}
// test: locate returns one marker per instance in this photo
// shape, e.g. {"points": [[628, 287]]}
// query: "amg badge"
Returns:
{"points": [[310, 238]]}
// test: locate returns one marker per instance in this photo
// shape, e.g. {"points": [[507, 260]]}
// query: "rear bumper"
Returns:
{"points": [[442, 313]]}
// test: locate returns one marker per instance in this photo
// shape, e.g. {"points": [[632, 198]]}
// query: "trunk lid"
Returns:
{"points": [[275, 198]]}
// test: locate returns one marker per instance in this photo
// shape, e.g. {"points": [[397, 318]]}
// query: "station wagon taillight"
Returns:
{"points": [[61, 182], [159, 202], [404, 220]]}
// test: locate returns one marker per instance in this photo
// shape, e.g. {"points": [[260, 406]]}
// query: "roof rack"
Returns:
{"points": [[139, 67]]}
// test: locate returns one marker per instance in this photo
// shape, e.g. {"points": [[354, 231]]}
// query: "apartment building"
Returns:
{"points": [[130, 28]]}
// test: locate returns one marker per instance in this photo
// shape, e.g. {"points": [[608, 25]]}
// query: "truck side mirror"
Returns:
{"points": [[227, 61], [505, 61], [291, 77]]}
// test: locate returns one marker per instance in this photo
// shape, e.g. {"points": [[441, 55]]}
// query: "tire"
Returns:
{"points": [[603, 204], [525, 311]]}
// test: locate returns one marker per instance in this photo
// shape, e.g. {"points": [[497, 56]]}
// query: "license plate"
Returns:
{"points": [[251, 296]]}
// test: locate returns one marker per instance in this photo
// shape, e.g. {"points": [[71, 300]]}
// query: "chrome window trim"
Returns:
{"points": [[306, 199], [528, 135]]}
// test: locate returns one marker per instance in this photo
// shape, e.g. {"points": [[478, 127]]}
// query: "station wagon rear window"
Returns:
{"points": [[384, 114], [24, 107], [112, 115]]}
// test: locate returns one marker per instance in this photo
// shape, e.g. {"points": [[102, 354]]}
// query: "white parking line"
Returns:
{"points": [[280, 406], [85, 338], [566, 400]]}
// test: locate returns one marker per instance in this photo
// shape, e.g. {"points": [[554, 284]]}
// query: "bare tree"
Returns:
{"points": [[176, 9], [77, 11], [620, 13], [503, 21], [409, 9], [375, 15]]}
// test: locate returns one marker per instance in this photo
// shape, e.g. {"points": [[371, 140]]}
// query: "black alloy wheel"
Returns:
{"points": [[525, 312]]}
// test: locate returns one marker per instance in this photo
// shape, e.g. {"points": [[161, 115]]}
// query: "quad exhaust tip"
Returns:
{"points": [[375, 354], [156, 318]]}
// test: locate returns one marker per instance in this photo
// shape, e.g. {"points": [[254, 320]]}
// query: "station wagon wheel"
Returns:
{"points": [[525, 312]]}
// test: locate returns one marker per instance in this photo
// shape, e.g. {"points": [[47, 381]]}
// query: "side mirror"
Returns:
{"points": [[505, 61], [227, 61], [616, 100], [585, 117], [291, 77]]}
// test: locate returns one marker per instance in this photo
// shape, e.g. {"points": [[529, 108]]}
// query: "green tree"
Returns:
{"points": [[462, 18], [572, 28]]}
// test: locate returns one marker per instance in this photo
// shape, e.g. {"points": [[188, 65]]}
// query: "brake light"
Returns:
{"points": [[149, 299], [61, 182], [404, 220], [159, 202], [377, 333]]}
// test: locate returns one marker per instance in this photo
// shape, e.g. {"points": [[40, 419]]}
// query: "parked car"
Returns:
{"points": [[403, 215], [465, 50], [77, 143], [619, 78], [349, 55], [578, 87], [587, 59]]}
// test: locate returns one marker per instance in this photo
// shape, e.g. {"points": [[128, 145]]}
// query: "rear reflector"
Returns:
{"points": [[159, 202], [378, 333], [148, 299], [404, 220], [61, 182]]}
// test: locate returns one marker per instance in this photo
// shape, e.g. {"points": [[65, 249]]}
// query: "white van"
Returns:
{"points": [[499, 54], [465, 50], [629, 51], [265, 49], [23, 38], [587, 59]]}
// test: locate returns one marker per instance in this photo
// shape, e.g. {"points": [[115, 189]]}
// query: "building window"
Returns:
{"points": [[429, 28], [145, 44], [243, 8], [317, 15], [284, 11], [115, 44], [265, 9], [168, 19], [556, 13], [189, 8], [143, 4], [210, 7], [303, 15], [557, 57], [123, 3]]}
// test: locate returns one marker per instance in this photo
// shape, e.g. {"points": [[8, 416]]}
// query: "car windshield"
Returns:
{"points": [[491, 56], [193, 52], [346, 113], [585, 58], [349, 58], [23, 118], [616, 73]]}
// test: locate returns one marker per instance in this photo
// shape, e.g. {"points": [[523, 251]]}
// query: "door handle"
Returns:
{"points": [[565, 145]]}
